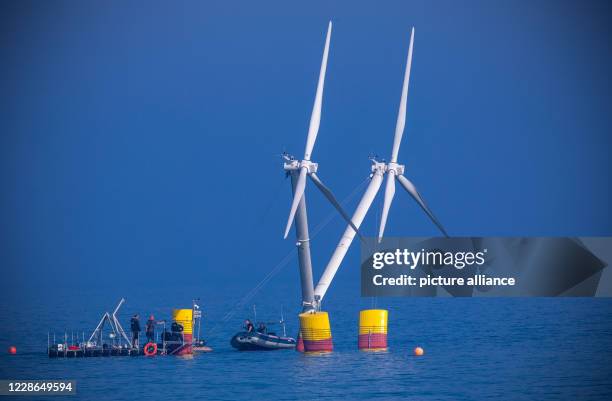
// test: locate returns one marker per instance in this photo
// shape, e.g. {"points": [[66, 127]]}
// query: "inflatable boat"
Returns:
{"points": [[255, 341]]}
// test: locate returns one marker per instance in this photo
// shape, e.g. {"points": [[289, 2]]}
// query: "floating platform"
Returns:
{"points": [[150, 349], [94, 352], [178, 341]]}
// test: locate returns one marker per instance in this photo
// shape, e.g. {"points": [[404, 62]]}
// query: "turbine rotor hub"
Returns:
{"points": [[398, 169]]}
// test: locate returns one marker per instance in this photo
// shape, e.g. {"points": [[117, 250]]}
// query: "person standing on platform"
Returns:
{"points": [[151, 329], [135, 327]]}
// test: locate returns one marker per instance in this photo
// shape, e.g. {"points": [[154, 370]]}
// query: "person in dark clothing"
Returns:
{"points": [[135, 327], [151, 329], [249, 326], [261, 328]]}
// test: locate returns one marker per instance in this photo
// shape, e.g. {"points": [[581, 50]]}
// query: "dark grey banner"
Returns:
{"points": [[486, 266]]}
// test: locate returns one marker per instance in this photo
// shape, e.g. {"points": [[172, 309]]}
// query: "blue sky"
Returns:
{"points": [[141, 138]]}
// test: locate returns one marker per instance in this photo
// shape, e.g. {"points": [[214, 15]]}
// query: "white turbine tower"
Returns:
{"points": [[299, 170], [379, 169]]}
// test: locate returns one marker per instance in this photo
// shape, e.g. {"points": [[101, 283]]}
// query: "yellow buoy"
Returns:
{"points": [[184, 317], [316, 332], [373, 329]]}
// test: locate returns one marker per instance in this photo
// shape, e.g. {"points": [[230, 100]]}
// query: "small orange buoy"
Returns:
{"points": [[418, 351], [12, 350]]}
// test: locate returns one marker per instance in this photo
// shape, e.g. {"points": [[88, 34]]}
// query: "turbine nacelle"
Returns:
{"points": [[293, 165], [397, 169], [378, 167]]}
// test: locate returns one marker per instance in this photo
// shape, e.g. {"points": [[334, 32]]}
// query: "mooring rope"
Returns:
{"points": [[284, 262]]}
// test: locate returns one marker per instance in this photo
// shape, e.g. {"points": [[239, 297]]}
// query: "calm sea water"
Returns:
{"points": [[474, 349]]}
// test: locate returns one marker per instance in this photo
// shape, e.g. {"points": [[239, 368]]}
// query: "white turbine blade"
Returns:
{"points": [[315, 118], [401, 114], [300, 186], [389, 193], [332, 199], [411, 189]]}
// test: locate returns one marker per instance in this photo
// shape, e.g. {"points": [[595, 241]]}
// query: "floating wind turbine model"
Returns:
{"points": [[299, 170], [379, 169]]}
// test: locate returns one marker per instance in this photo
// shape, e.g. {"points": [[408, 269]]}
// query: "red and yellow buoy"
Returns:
{"points": [[373, 329], [184, 317], [315, 332]]}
